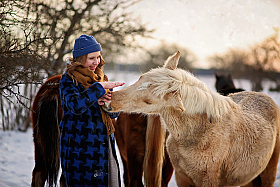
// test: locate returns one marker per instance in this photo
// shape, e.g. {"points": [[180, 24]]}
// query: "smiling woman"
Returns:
{"points": [[88, 155], [93, 60]]}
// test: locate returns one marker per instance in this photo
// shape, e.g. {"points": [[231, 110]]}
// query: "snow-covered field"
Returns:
{"points": [[17, 151]]}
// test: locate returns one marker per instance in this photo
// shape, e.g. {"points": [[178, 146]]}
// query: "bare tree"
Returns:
{"points": [[19, 68], [158, 55], [261, 62], [264, 58], [64, 20], [36, 35]]}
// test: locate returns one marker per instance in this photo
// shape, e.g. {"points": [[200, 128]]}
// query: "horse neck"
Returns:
{"points": [[201, 108], [198, 101], [185, 127], [230, 86]]}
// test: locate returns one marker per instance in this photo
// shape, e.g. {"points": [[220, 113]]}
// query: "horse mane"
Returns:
{"points": [[196, 96], [154, 151]]}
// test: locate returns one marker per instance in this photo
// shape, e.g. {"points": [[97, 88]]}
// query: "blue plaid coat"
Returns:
{"points": [[84, 139]]}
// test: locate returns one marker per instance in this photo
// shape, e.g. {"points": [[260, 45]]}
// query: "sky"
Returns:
{"points": [[207, 27]]}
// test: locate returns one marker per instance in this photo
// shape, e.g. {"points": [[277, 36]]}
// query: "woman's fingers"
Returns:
{"points": [[105, 98], [111, 85], [119, 84]]}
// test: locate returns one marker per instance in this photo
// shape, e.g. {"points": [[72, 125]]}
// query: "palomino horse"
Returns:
{"points": [[130, 135], [225, 85], [213, 140]]}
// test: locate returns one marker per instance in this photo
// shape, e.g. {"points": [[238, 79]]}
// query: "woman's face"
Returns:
{"points": [[93, 59]]}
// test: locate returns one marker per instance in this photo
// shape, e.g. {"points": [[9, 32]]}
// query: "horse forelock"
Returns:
{"points": [[164, 81], [196, 96]]}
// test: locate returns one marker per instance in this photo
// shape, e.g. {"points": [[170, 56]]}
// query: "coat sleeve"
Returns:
{"points": [[114, 115], [78, 102]]}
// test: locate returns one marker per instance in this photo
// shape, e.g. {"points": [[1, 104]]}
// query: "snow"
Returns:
{"points": [[17, 149], [16, 158]]}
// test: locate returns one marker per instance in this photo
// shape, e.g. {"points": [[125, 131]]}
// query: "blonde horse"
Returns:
{"points": [[213, 140]]}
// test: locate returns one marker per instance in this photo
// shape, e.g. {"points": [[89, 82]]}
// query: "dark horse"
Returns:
{"points": [[46, 114], [130, 135], [224, 84]]}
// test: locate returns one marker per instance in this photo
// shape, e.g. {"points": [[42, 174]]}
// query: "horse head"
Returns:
{"points": [[224, 82], [150, 94]]}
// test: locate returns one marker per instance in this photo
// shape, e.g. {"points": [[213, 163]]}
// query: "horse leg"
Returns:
{"points": [[183, 180], [121, 125], [39, 174], [135, 169], [167, 170], [254, 183], [136, 137], [268, 176], [62, 180], [126, 177]]}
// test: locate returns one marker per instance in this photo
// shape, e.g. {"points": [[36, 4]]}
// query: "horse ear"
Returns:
{"points": [[172, 61], [216, 75]]}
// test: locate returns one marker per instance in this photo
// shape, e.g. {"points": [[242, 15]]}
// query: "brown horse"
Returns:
{"points": [[214, 140], [130, 135], [136, 147], [46, 114]]}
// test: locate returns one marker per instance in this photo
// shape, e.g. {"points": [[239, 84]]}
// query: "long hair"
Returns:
{"points": [[154, 151], [82, 60], [74, 62]]}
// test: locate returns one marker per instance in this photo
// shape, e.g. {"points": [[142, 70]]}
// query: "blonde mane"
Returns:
{"points": [[196, 96]]}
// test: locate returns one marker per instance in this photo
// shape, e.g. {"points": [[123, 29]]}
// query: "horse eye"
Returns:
{"points": [[148, 102]]}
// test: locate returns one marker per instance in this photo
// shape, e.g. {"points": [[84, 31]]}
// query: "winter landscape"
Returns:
{"points": [[17, 151]]}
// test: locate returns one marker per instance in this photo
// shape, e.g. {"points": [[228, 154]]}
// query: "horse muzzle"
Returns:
{"points": [[107, 107]]}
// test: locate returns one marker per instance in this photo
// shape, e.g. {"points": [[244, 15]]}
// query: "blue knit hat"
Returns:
{"points": [[84, 45]]}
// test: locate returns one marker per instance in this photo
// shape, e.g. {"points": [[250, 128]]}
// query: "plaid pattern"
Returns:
{"points": [[84, 139]]}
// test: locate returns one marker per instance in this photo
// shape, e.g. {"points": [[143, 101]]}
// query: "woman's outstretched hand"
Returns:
{"points": [[107, 96], [111, 85]]}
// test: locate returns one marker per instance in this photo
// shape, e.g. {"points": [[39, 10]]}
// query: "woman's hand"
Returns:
{"points": [[107, 96], [111, 85], [104, 98]]}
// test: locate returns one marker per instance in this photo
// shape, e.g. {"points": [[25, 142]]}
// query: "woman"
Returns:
{"points": [[88, 156]]}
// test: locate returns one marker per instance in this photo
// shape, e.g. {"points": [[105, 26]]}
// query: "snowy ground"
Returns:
{"points": [[17, 151]]}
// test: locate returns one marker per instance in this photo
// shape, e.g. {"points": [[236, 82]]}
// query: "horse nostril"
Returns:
{"points": [[107, 107]]}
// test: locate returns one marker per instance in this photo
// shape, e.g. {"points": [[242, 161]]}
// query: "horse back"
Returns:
{"points": [[257, 103]]}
